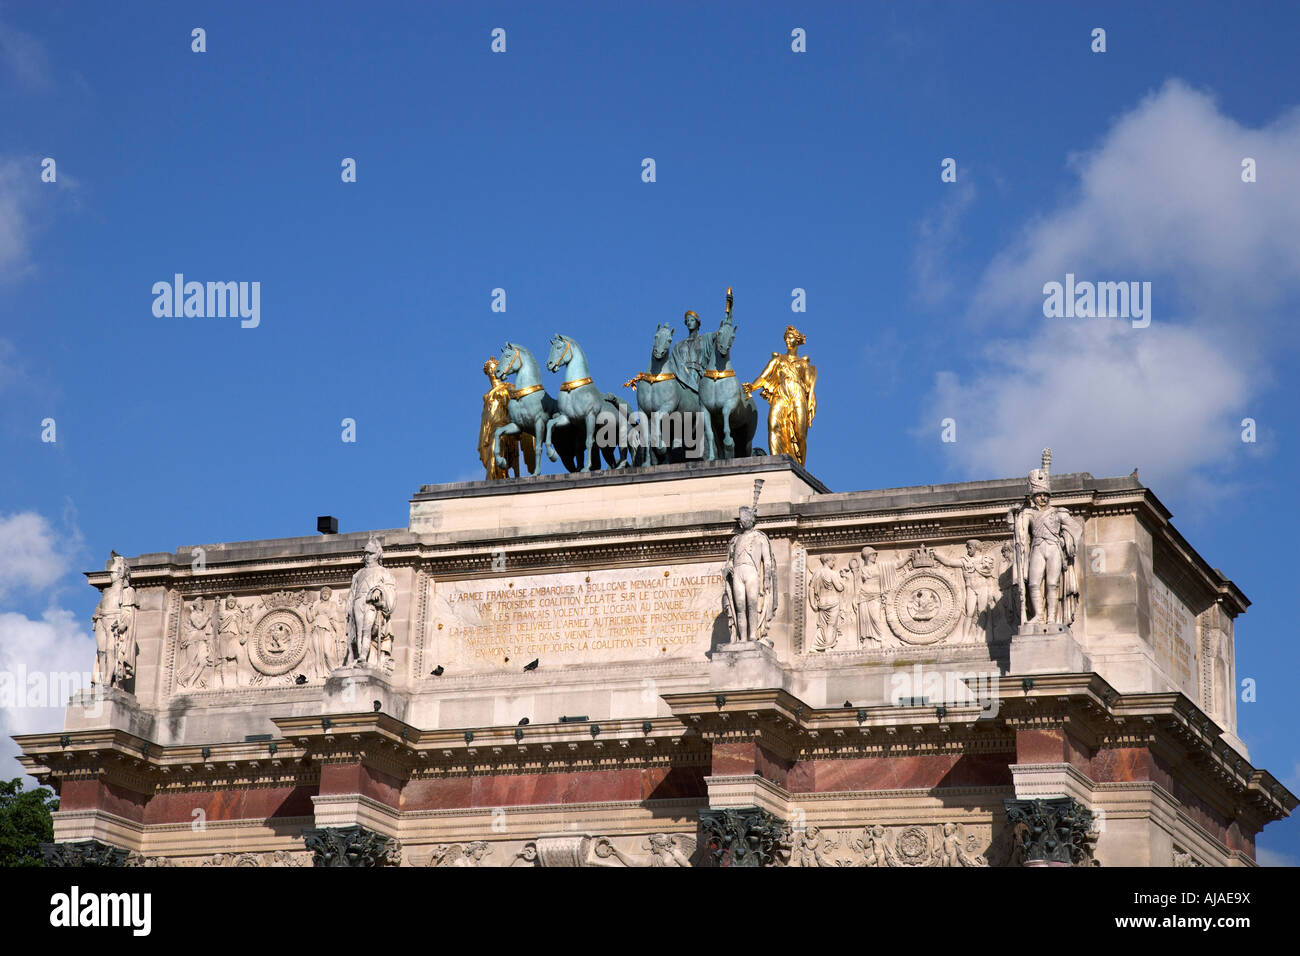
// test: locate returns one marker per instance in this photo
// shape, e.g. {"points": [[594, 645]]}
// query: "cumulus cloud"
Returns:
{"points": [[1107, 397], [42, 662], [33, 555], [1160, 199]]}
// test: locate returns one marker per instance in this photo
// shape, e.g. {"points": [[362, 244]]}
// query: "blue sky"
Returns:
{"points": [[522, 170]]}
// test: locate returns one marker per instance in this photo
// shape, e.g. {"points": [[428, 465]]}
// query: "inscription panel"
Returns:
{"points": [[597, 617], [1173, 633]]}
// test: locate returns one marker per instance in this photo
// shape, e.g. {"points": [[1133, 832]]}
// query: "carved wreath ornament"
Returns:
{"points": [[279, 642], [923, 608]]}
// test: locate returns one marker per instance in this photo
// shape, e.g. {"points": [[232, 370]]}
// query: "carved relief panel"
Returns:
{"points": [[882, 600], [287, 637]]}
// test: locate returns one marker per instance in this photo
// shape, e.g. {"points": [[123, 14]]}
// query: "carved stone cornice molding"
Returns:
{"points": [[1169, 724], [125, 760], [792, 729], [403, 751]]}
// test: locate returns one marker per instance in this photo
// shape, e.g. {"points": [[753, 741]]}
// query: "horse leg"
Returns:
{"points": [[591, 440], [706, 419], [511, 429], [748, 428], [620, 456], [560, 419], [728, 442], [638, 421]]}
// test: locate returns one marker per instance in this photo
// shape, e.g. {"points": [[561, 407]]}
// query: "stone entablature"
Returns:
{"points": [[865, 578], [556, 659], [1152, 765]]}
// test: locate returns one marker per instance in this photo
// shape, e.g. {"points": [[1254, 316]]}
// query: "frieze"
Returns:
{"points": [[460, 854], [279, 639], [914, 845], [874, 601], [583, 850]]}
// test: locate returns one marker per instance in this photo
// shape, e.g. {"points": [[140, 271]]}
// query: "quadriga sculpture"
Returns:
{"points": [[582, 403], [531, 409], [732, 415]]}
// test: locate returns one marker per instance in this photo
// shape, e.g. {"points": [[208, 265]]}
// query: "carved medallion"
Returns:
{"points": [[279, 642], [923, 608], [913, 847]]}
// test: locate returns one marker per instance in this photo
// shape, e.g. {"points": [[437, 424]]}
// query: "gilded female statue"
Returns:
{"points": [[495, 414], [787, 384]]}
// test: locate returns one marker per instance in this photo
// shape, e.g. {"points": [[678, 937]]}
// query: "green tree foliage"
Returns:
{"points": [[25, 822]]}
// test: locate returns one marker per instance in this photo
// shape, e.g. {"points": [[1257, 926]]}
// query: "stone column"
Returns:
{"points": [[741, 836], [1054, 832], [351, 846], [83, 853]]}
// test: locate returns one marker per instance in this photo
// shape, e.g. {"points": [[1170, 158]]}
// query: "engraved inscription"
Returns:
{"points": [[576, 618], [1173, 632]]}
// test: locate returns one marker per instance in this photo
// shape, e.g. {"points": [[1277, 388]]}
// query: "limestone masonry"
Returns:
{"points": [[609, 669]]}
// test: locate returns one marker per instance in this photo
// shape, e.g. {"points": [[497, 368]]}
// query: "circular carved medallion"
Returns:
{"points": [[279, 642], [924, 607], [913, 847]]}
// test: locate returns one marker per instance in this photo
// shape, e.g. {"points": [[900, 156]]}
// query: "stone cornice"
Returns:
{"points": [[401, 750], [129, 761], [1169, 724]]}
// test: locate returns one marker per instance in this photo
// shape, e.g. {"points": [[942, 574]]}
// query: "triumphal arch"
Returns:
{"points": [[658, 660]]}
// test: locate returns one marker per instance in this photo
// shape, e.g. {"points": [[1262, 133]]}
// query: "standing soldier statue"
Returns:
{"points": [[1046, 541], [749, 578], [370, 609]]}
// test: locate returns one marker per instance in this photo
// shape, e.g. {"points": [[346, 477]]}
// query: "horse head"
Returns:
{"points": [[663, 339], [725, 338], [510, 360], [561, 352]]}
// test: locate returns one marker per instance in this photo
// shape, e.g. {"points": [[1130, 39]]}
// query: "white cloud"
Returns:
{"points": [[1106, 397], [18, 182], [42, 661], [1160, 199], [32, 554]]}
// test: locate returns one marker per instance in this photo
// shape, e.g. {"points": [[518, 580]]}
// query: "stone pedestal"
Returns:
{"points": [[352, 690], [1047, 649], [101, 708], [746, 665]]}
